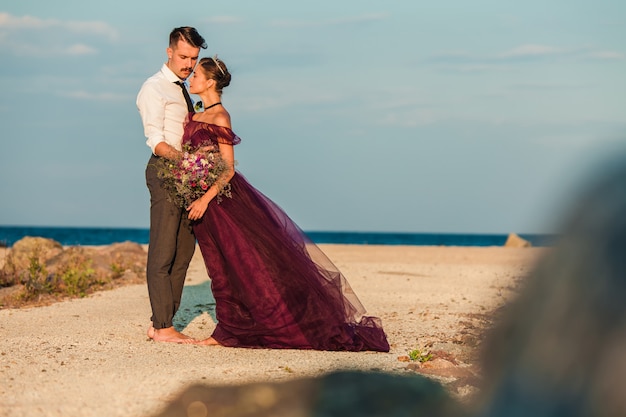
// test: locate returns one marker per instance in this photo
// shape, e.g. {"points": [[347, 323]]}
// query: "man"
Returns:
{"points": [[163, 104]]}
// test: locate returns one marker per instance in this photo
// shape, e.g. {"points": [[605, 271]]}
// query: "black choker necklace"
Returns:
{"points": [[212, 105]]}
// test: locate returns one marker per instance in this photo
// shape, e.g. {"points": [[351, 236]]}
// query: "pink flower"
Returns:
{"points": [[189, 177]]}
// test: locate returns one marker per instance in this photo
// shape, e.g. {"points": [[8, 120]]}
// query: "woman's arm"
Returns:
{"points": [[197, 208]]}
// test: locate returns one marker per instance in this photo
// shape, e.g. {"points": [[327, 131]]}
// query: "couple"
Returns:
{"points": [[273, 287]]}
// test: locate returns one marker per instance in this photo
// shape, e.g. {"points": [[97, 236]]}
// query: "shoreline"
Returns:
{"points": [[90, 356], [96, 236]]}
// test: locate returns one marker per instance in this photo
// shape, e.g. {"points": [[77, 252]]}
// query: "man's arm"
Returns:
{"points": [[151, 107]]}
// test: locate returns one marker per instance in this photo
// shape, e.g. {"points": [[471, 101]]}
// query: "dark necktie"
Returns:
{"points": [[186, 94]]}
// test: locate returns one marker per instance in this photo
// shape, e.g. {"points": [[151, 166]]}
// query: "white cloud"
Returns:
{"points": [[30, 36], [15, 23], [224, 20], [410, 118], [477, 67], [607, 55], [80, 49], [84, 95], [579, 52], [464, 61], [332, 22], [531, 50], [47, 50], [257, 103], [545, 86], [452, 55]]}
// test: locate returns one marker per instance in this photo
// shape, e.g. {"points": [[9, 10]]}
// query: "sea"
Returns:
{"points": [[71, 236]]}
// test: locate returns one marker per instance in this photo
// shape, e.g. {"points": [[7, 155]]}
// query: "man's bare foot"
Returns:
{"points": [[169, 334], [209, 341]]}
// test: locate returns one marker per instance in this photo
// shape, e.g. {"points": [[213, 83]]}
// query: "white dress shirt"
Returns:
{"points": [[162, 108]]}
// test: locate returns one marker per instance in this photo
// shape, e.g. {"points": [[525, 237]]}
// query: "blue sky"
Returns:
{"points": [[414, 116]]}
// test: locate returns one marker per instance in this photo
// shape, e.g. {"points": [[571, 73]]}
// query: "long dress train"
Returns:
{"points": [[273, 287]]}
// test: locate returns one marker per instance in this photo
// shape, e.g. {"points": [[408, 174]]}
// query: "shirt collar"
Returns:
{"points": [[169, 75]]}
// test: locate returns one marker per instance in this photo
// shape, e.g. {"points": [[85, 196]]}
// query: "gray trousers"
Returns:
{"points": [[170, 250]]}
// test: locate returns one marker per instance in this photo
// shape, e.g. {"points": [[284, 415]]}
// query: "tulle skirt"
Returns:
{"points": [[273, 287]]}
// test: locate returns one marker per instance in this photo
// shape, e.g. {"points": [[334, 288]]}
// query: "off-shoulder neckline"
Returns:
{"points": [[191, 119]]}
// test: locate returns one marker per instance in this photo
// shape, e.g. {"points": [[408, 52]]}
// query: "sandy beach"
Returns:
{"points": [[91, 356]]}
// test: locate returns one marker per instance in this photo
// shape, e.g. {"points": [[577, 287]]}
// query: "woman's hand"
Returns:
{"points": [[196, 210], [208, 148]]}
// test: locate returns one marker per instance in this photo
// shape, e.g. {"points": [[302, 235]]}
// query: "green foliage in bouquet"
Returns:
{"points": [[188, 177]]}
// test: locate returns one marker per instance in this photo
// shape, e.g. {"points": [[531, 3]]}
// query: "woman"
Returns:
{"points": [[273, 287]]}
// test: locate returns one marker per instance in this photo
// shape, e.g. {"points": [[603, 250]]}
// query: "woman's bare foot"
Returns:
{"points": [[209, 341], [169, 334]]}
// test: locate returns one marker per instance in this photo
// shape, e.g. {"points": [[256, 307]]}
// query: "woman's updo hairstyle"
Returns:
{"points": [[215, 69]]}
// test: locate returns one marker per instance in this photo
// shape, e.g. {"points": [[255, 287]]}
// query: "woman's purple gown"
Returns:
{"points": [[273, 287]]}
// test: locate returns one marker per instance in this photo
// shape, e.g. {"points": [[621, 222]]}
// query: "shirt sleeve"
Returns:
{"points": [[151, 107]]}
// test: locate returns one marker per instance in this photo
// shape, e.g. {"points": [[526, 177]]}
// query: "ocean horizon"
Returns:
{"points": [[72, 236]]}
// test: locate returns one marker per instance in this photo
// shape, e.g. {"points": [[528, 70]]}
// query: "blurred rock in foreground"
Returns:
{"points": [[560, 349], [341, 394]]}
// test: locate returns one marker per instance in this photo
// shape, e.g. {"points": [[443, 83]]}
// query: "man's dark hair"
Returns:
{"points": [[189, 35]]}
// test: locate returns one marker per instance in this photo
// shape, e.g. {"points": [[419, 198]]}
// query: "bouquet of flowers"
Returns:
{"points": [[190, 176]]}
